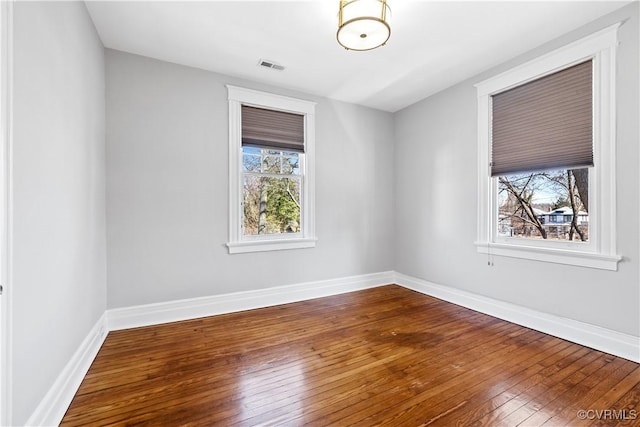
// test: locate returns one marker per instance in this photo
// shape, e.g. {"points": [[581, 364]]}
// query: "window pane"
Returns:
{"points": [[250, 150], [549, 205], [291, 165], [271, 164], [271, 205], [251, 162]]}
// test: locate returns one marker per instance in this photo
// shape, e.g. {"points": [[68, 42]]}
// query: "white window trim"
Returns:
{"points": [[307, 238], [600, 251]]}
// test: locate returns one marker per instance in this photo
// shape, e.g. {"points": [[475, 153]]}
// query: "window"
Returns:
{"points": [[546, 159], [271, 172]]}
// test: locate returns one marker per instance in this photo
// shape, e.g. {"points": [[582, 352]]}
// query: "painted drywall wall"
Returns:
{"points": [[59, 257], [436, 202], [167, 184]]}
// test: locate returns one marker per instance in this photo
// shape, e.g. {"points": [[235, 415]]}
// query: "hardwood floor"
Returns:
{"points": [[384, 356]]}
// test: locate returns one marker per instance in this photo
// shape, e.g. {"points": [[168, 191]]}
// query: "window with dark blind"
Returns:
{"points": [[546, 157], [542, 141], [271, 172], [544, 124]]}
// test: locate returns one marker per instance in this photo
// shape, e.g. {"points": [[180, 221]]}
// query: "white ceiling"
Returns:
{"points": [[433, 44]]}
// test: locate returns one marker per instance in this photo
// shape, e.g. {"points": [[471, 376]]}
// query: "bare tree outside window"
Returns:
{"points": [[549, 205]]}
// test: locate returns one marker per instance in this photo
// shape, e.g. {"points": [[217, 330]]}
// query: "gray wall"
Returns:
{"points": [[59, 261], [436, 202], [167, 184]]}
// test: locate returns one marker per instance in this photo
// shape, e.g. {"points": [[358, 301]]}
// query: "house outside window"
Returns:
{"points": [[271, 172], [546, 159]]}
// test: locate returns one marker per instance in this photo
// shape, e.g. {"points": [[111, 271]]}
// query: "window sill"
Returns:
{"points": [[270, 245], [557, 256]]}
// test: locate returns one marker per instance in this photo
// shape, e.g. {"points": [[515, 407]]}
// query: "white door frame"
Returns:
{"points": [[6, 103]]}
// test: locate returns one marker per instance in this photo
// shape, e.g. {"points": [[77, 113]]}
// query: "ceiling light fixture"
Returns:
{"points": [[362, 24]]}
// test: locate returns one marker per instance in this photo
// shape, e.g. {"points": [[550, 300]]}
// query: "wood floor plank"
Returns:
{"points": [[485, 407], [603, 378], [408, 361], [330, 397], [625, 411], [610, 399], [348, 375], [535, 399], [416, 375], [383, 356], [414, 411], [585, 393]]}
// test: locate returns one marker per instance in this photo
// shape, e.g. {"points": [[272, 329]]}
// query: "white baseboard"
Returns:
{"points": [[173, 311], [55, 403], [607, 340]]}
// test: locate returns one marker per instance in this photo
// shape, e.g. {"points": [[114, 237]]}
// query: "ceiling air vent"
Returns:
{"points": [[270, 64]]}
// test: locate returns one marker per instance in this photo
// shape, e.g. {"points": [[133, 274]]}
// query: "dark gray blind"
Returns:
{"points": [[544, 124], [272, 129]]}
